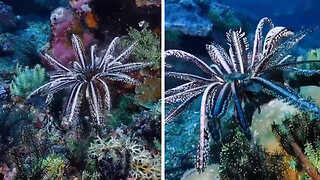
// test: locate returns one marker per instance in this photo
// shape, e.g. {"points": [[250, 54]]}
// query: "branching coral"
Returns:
{"points": [[87, 79], [131, 159], [147, 48], [27, 80], [53, 167]]}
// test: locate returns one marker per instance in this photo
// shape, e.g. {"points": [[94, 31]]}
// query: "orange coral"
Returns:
{"points": [[150, 90], [91, 20]]}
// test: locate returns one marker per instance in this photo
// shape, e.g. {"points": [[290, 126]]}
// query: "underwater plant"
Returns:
{"points": [[87, 79], [27, 80], [231, 77]]}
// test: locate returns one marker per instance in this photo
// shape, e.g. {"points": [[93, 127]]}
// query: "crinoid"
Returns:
{"points": [[88, 78], [230, 74]]}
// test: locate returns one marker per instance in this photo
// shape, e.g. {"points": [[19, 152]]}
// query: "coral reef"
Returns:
{"points": [[187, 20], [27, 80], [35, 141], [65, 22], [222, 16], [7, 19]]}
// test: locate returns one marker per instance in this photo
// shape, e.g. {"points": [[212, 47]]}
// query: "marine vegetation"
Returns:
{"points": [[27, 80], [88, 79], [299, 137], [235, 76]]}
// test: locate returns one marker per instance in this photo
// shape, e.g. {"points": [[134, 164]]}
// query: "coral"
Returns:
{"points": [[53, 166], [150, 91], [87, 176], [187, 20], [294, 133], [124, 111], [242, 160], [125, 158], [7, 19], [211, 172], [14, 50], [222, 16], [87, 79], [313, 54], [7, 173], [27, 80], [65, 22], [147, 48], [236, 77], [80, 6], [28, 157], [141, 3], [148, 124], [36, 32], [14, 118]]}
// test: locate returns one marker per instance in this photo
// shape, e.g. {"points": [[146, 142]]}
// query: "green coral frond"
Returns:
{"points": [[27, 80], [147, 48]]}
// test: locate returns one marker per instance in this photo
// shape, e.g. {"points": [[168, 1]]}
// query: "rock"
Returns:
{"points": [[8, 20], [186, 18]]}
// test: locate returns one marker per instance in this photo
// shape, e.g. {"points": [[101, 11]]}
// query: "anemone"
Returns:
{"points": [[89, 79], [229, 77]]}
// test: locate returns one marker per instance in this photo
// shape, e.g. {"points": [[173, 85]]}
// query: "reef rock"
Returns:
{"points": [[7, 19], [64, 22], [187, 19]]}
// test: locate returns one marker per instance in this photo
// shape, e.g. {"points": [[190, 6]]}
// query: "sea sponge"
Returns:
{"points": [[27, 80]]}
